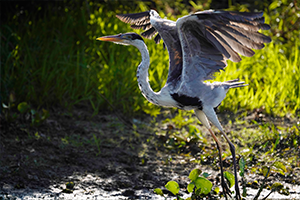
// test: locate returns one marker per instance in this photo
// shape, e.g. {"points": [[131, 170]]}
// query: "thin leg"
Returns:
{"points": [[202, 118], [225, 188], [211, 115], [232, 149]]}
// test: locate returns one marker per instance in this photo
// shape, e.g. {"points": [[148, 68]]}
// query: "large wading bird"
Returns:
{"points": [[199, 45]]}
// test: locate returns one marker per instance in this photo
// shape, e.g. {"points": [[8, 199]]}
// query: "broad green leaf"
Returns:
{"points": [[279, 165], [277, 186], [173, 187], [203, 184], [23, 107], [242, 165], [190, 187], [266, 171], [230, 178], [159, 191], [194, 174]]}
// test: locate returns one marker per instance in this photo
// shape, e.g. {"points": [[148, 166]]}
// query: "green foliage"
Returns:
{"points": [[230, 178], [273, 81], [98, 143], [51, 57], [23, 107], [173, 187], [242, 165], [203, 186], [194, 174], [24, 112], [158, 191], [199, 186]]}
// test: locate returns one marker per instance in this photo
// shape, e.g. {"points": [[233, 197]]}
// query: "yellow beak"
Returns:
{"points": [[111, 38]]}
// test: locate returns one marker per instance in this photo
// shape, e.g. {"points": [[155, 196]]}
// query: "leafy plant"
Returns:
{"points": [[25, 112], [199, 185], [46, 64]]}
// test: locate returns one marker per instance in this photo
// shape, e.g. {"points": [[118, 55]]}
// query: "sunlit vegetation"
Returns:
{"points": [[50, 57], [55, 60]]}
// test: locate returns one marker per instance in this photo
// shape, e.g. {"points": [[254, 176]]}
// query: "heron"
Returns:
{"points": [[198, 45]]}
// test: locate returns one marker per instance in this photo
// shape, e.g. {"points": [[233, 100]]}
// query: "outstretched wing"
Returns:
{"points": [[152, 23], [209, 38], [141, 20]]}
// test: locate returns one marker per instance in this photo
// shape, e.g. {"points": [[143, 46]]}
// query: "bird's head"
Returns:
{"points": [[124, 39]]}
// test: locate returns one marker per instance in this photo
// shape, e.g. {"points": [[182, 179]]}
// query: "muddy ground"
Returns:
{"points": [[106, 157]]}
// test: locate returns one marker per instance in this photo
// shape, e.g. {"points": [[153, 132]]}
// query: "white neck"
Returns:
{"points": [[163, 97]]}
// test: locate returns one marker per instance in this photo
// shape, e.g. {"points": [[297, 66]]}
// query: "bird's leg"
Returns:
{"points": [[232, 149], [211, 115], [202, 118], [225, 188]]}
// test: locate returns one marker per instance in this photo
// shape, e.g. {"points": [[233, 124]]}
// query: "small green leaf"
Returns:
{"points": [[277, 186], [173, 187], [242, 165], [217, 190], [194, 174], [159, 191], [279, 165], [23, 107], [230, 178], [266, 171], [190, 187], [203, 184], [205, 174]]}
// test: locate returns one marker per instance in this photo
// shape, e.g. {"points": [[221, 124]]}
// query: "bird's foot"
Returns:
{"points": [[237, 191], [226, 190]]}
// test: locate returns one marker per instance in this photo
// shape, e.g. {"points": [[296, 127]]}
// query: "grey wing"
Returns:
{"points": [[152, 23], [209, 38], [141, 20]]}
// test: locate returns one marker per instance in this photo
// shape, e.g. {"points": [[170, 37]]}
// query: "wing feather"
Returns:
{"points": [[149, 33], [199, 44], [209, 38], [166, 29]]}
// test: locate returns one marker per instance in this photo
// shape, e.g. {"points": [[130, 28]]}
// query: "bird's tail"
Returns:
{"points": [[234, 84]]}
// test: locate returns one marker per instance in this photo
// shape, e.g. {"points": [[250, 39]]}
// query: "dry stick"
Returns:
{"points": [[262, 186]]}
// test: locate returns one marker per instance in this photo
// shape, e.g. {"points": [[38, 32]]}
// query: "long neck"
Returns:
{"points": [[163, 97], [142, 76]]}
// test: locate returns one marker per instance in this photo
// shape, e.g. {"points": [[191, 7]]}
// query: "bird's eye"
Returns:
{"points": [[128, 36]]}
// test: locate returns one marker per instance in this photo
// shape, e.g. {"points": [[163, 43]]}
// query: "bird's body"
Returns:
{"points": [[199, 45]]}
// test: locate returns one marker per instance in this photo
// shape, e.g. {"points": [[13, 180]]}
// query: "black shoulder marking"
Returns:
{"points": [[184, 100]]}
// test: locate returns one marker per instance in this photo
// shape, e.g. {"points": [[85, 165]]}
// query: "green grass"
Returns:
{"points": [[54, 60], [273, 78]]}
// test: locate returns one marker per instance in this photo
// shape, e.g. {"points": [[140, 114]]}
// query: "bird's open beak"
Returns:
{"points": [[111, 38]]}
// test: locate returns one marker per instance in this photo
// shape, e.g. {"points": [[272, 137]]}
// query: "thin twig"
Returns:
{"points": [[262, 186]]}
